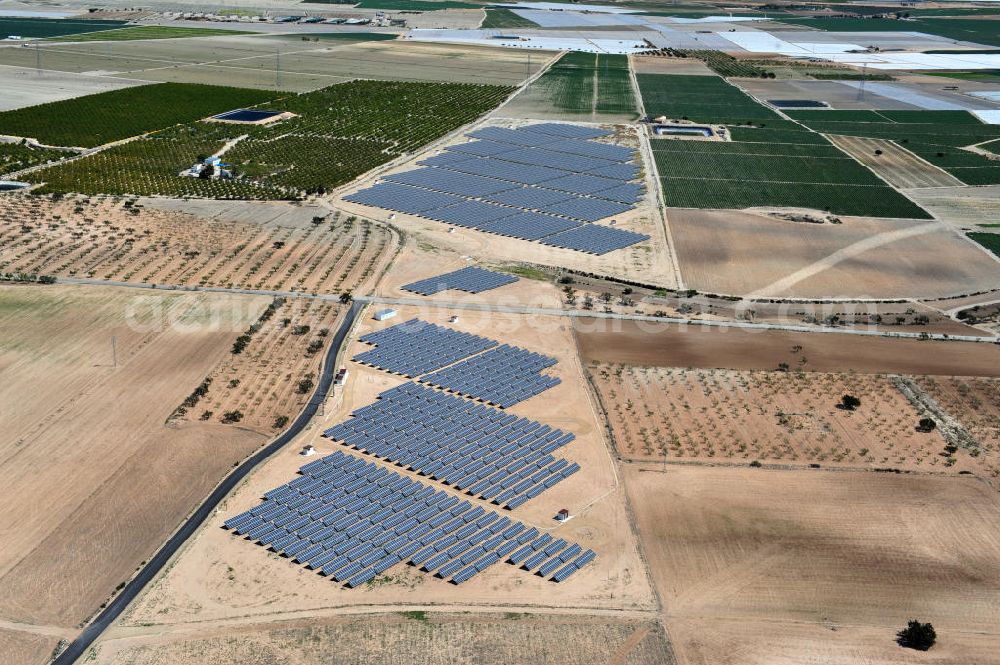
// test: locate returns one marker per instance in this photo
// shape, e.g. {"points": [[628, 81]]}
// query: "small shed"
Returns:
{"points": [[384, 314]]}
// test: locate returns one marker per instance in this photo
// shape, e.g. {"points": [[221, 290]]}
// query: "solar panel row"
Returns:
{"points": [[473, 447], [471, 280], [417, 347], [353, 521], [502, 376]]}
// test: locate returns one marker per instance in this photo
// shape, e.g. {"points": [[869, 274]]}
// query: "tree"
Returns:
{"points": [[346, 297], [926, 425], [849, 403], [304, 386], [916, 635]]}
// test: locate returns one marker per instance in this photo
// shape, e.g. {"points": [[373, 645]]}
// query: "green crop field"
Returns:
{"points": [[792, 134], [980, 31], [147, 32], [94, 120], [52, 27], [339, 133], [505, 18], [990, 241], [588, 83], [14, 157], [717, 174], [701, 99], [936, 136]]}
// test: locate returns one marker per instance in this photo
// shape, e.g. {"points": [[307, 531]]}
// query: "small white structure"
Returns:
{"points": [[341, 377], [453, 319], [385, 314], [308, 451]]}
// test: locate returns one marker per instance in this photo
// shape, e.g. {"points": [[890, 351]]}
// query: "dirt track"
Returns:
{"points": [[668, 345]]}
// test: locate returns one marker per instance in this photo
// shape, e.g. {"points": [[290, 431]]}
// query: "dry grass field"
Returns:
{"points": [[975, 403], [894, 164], [93, 479], [404, 638], [674, 345], [769, 567], [962, 206], [122, 240], [774, 417], [746, 253]]}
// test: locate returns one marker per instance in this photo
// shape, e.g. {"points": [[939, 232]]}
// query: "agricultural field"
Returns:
{"points": [[766, 255], [121, 240], [14, 157], [692, 346], [94, 120], [793, 417], [582, 84], [975, 403], [936, 136], [702, 99], [505, 18], [964, 207], [148, 32], [719, 174], [46, 27], [899, 167], [976, 30], [89, 439], [413, 637], [338, 133], [990, 241], [813, 566]]}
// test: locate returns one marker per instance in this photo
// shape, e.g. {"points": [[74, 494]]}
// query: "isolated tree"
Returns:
{"points": [[606, 298], [849, 402], [304, 386], [916, 635], [346, 297], [926, 425]]}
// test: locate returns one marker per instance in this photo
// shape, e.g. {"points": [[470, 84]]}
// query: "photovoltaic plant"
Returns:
{"points": [[470, 280], [353, 520], [531, 183]]}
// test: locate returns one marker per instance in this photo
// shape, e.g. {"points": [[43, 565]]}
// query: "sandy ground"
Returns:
{"points": [[221, 577], [782, 418], [752, 254], [510, 638], [961, 206], [759, 566], [673, 345], [896, 165], [93, 480], [658, 65], [974, 402], [275, 247], [648, 261], [23, 86], [835, 93]]}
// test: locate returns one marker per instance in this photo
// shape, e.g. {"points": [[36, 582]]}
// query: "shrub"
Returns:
{"points": [[916, 635], [232, 416]]}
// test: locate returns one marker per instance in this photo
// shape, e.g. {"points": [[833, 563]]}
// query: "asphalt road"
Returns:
{"points": [[83, 642]]}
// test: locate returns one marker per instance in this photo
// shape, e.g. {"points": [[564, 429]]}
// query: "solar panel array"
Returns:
{"points": [[353, 520], [529, 183], [417, 347], [478, 449], [470, 280], [502, 376]]}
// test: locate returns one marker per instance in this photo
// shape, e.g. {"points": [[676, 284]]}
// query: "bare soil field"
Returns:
{"points": [[656, 65], [23, 86], [674, 345], [403, 638], [122, 240], [93, 478], [963, 206], [761, 567], [775, 417], [896, 165], [975, 403], [744, 253], [220, 577], [24, 648], [835, 93]]}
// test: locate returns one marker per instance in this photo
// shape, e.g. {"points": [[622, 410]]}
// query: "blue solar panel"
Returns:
{"points": [[523, 137], [449, 181], [524, 174], [568, 131], [616, 171], [595, 239], [400, 198], [529, 198], [627, 193], [588, 210], [470, 280], [417, 347], [529, 226], [592, 149], [581, 184], [470, 214], [481, 148], [550, 159]]}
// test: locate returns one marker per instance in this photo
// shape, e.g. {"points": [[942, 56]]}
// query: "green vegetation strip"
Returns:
{"points": [[94, 120], [979, 31], [990, 241], [147, 32], [14, 157], [339, 133], [505, 18], [30, 28], [701, 99], [937, 136]]}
